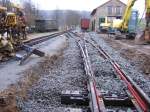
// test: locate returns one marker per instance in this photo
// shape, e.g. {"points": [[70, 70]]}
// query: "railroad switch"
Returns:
{"points": [[29, 51], [75, 97]]}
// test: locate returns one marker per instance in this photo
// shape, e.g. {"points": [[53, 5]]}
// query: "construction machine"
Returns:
{"points": [[12, 31], [6, 46], [104, 24], [17, 25], [122, 25]]}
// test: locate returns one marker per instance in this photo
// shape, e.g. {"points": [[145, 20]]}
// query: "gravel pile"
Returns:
{"points": [[129, 68], [66, 74]]}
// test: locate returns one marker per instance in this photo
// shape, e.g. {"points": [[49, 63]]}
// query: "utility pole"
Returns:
{"points": [[57, 15]]}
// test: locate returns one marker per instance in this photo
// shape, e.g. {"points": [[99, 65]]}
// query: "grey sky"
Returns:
{"points": [[88, 5]]}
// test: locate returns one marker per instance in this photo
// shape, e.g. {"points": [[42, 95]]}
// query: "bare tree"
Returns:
{"points": [[30, 12], [7, 4], [72, 18]]}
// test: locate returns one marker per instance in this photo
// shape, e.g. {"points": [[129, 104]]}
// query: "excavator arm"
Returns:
{"points": [[123, 25], [147, 16], [126, 17], [147, 6]]}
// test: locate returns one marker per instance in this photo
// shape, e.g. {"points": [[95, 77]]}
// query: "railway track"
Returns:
{"points": [[43, 38], [11, 69], [133, 98], [28, 47]]}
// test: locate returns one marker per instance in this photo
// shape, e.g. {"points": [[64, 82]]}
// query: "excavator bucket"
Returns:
{"points": [[143, 38], [147, 35]]}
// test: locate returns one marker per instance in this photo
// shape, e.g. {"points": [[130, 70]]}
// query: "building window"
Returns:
{"points": [[101, 20], [118, 10], [110, 10]]}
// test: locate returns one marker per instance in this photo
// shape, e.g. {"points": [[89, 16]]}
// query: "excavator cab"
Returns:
{"points": [[11, 19]]}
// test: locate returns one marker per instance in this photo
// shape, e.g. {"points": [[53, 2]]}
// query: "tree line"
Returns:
{"points": [[31, 11]]}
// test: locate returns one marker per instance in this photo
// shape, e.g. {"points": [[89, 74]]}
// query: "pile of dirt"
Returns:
{"points": [[8, 103], [141, 60]]}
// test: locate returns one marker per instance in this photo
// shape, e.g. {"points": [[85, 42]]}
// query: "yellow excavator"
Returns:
{"points": [[122, 25], [104, 26]]}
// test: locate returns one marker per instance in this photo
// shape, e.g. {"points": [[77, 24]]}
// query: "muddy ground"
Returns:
{"points": [[138, 55]]}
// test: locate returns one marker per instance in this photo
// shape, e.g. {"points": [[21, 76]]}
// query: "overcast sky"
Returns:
{"points": [[88, 5]]}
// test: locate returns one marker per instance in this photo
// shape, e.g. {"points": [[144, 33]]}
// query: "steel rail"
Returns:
{"points": [[43, 38], [92, 83], [96, 104], [92, 87], [141, 98]]}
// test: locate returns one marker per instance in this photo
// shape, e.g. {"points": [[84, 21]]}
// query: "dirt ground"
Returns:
{"points": [[8, 97], [138, 55], [13, 70], [27, 75]]}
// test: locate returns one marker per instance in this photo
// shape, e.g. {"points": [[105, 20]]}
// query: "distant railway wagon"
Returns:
{"points": [[43, 25], [85, 23]]}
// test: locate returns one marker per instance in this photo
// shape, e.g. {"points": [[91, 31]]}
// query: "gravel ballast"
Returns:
{"points": [[66, 74], [130, 70], [106, 78]]}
